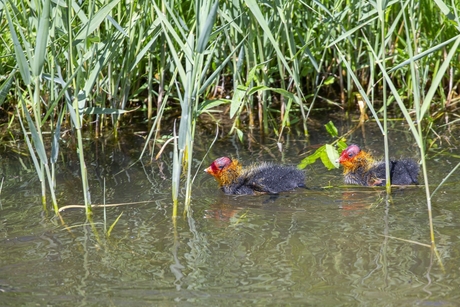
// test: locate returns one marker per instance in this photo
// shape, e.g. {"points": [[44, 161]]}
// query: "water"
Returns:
{"points": [[322, 247]]}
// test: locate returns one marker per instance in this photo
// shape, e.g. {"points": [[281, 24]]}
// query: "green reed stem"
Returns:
{"points": [[381, 13]]}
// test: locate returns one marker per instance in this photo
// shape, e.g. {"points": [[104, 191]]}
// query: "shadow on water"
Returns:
{"points": [[326, 245]]}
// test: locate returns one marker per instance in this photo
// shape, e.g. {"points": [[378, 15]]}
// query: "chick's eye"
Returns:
{"points": [[221, 166], [350, 155]]}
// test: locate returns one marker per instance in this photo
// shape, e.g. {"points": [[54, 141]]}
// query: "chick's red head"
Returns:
{"points": [[218, 165], [349, 153]]}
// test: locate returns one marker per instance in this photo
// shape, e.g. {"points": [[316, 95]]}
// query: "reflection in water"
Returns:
{"points": [[222, 212], [176, 267], [355, 201]]}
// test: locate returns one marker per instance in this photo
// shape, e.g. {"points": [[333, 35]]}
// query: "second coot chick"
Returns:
{"points": [[359, 167], [263, 178]]}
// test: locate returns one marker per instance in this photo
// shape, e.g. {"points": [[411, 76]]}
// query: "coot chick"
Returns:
{"points": [[262, 178], [359, 167]]}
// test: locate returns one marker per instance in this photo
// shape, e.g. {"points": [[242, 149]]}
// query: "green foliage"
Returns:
{"points": [[84, 60], [328, 154]]}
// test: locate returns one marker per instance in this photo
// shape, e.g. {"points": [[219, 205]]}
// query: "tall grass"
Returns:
{"points": [[421, 102], [83, 64]]}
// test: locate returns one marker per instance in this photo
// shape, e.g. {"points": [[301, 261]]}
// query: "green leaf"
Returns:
{"points": [[444, 9], [55, 140], [113, 225], [329, 80], [237, 99], [31, 149], [209, 104], [240, 134], [5, 87], [280, 91], [39, 147], [97, 19], [328, 155], [424, 53], [42, 39], [326, 161], [333, 156], [205, 32], [331, 129], [311, 158], [20, 57], [341, 145]]}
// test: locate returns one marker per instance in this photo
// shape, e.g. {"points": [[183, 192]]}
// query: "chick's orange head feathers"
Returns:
{"points": [[218, 165], [349, 153]]}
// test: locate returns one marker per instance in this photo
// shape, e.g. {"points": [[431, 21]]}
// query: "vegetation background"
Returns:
{"points": [[83, 64]]}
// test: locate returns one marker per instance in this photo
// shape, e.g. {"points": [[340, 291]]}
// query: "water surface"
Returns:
{"points": [[323, 246]]}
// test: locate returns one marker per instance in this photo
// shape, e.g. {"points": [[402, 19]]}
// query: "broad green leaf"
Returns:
{"points": [[240, 62], [326, 161], [333, 156], [154, 28], [105, 55], [117, 26], [311, 158], [61, 3], [79, 12]]}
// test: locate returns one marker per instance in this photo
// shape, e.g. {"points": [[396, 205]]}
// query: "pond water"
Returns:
{"points": [[334, 246]]}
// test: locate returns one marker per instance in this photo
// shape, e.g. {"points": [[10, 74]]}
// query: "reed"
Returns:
{"points": [[83, 64], [420, 105]]}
